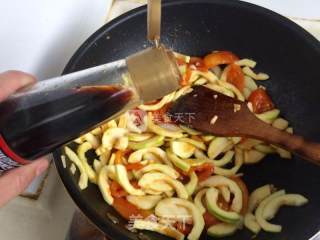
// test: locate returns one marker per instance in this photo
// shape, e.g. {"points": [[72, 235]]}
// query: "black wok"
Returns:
{"points": [[282, 49]]}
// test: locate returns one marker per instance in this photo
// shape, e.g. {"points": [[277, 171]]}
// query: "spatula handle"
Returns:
{"points": [[294, 143]]}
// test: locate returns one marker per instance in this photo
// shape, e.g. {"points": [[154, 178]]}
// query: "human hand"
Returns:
{"points": [[15, 181]]}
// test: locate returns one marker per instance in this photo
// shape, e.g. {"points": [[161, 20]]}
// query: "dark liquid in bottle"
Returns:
{"points": [[37, 125]]}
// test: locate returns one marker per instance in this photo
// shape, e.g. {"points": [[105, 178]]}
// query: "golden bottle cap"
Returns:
{"points": [[154, 73]]}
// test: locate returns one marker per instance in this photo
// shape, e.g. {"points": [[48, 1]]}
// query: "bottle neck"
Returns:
{"points": [[154, 73]]}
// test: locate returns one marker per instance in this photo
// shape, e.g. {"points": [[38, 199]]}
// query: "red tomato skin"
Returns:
{"points": [[261, 101]]}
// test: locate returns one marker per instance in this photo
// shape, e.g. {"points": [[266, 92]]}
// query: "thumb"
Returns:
{"points": [[11, 81], [17, 180]]}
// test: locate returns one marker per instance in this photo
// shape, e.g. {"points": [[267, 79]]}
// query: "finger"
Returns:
{"points": [[17, 180], [11, 81]]}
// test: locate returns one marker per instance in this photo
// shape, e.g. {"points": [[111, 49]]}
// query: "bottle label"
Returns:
{"points": [[8, 159]]}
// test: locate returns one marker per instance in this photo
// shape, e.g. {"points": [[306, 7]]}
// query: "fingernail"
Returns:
{"points": [[42, 166]]}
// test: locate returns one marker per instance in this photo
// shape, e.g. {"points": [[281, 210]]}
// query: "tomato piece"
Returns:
{"points": [[184, 176], [220, 57], [210, 220], [196, 60], [118, 158], [235, 76], [134, 166], [180, 61], [185, 80], [243, 139], [128, 210], [261, 102], [199, 64], [245, 194], [127, 152], [203, 171], [116, 190], [184, 228]]}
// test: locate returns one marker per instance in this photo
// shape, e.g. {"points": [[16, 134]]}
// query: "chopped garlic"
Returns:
{"points": [[260, 76], [73, 169], [214, 119], [63, 160], [249, 104], [236, 107]]}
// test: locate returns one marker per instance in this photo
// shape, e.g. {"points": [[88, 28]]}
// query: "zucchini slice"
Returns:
{"points": [[249, 143], [104, 185], [217, 146], [207, 138], [269, 116], [178, 162], [188, 130], [159, 228], [73, 157], [144, 202], [250, 83], [224, 160], [197, 218], [115, 138], [232, 88], [273, 206], [253, 156], [280, 123], [258, 195], [82, 149], [139, 137], [283, 153], [155, 141], [266, 149], [166, 99], [162, 131], [222, 230], [215, 181], [171, 172], [154, 178], [123, 180], [182, 149], [230, 172], [195, 162], [137, 156], [214, 209], [197, 144], [266, 226], [167, 209], [236, 140], [111, 172], [198, 200], [192, 184], [251, 223]]}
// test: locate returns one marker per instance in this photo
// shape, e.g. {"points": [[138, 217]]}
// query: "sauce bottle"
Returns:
{"points": [[55, 111]]}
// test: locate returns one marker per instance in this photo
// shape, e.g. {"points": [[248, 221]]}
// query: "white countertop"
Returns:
{"points": [[32, 40]]}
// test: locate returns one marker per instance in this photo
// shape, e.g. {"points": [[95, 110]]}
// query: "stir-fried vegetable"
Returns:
{"points": [[177, 181]]}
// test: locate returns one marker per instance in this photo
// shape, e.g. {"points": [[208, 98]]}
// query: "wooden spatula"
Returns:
{"points": [[211, 112]]}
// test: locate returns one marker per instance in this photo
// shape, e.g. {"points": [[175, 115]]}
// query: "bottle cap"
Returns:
{"points": [[154, 73]]}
